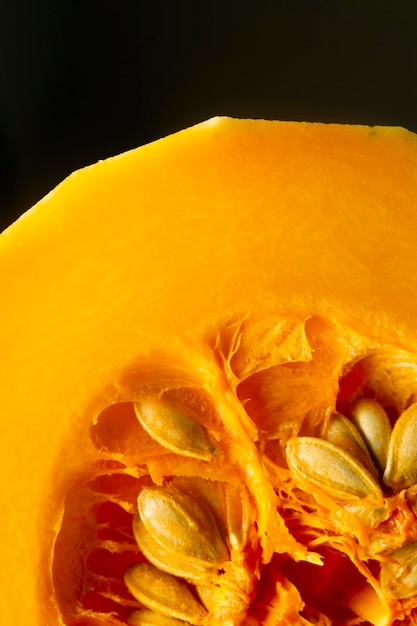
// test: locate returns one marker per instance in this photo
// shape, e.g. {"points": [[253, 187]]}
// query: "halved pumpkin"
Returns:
{"points": [[180, 326]]}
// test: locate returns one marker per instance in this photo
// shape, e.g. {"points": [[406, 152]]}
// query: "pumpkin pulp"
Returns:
{"points": [[241, 521], [160, 304]]}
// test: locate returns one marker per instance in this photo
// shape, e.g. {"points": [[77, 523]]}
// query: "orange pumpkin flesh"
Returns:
{"points": [[259, 274]]}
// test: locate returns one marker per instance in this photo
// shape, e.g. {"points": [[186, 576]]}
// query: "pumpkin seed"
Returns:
{"points": [[398, 577], [167, 561], [182, 525], [331, 468], [146, 617], [163, 593], [175, 430], [401, 469], [373, 424], [341, 432]]}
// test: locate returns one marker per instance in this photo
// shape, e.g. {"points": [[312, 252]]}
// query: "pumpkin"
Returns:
{"points": [[209, 384]]}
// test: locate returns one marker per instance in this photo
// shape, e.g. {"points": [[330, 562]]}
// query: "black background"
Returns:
{"points": [[81, 80]]}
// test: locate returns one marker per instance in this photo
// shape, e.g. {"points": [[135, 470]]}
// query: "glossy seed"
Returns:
{"points": [[399, 576], [166, 560], [332, 469], [163, 593], [181, 525], [401, 468], [146, 617], [175, 430], [373, 424], [343, 433]]}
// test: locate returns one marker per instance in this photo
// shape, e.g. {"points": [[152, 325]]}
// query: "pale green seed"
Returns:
{"points": [[163, 593], [373, 424], [181, 525], [174, 429], [401, 468], [343, 433], [332, 469], [167, 560]]}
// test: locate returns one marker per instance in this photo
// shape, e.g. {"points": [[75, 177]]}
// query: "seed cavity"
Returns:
{"points": [[164, 594], [175, 430], [331, 468], [374, 426], [398, 577], [401, 468], [181, 526]]}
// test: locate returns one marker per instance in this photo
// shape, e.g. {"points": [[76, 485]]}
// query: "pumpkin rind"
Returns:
{"points": [[149, 253]]}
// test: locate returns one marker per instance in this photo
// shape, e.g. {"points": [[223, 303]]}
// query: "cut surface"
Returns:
{"points": [[250, 270], [283, 500]]}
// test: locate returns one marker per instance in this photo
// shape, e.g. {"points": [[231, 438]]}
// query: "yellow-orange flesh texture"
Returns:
{"points": [[143, 266]]}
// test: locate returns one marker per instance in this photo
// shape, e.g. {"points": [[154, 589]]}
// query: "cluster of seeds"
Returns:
{"points": [[183, 528], [204, 509], [361, 457], [187, 531]]}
